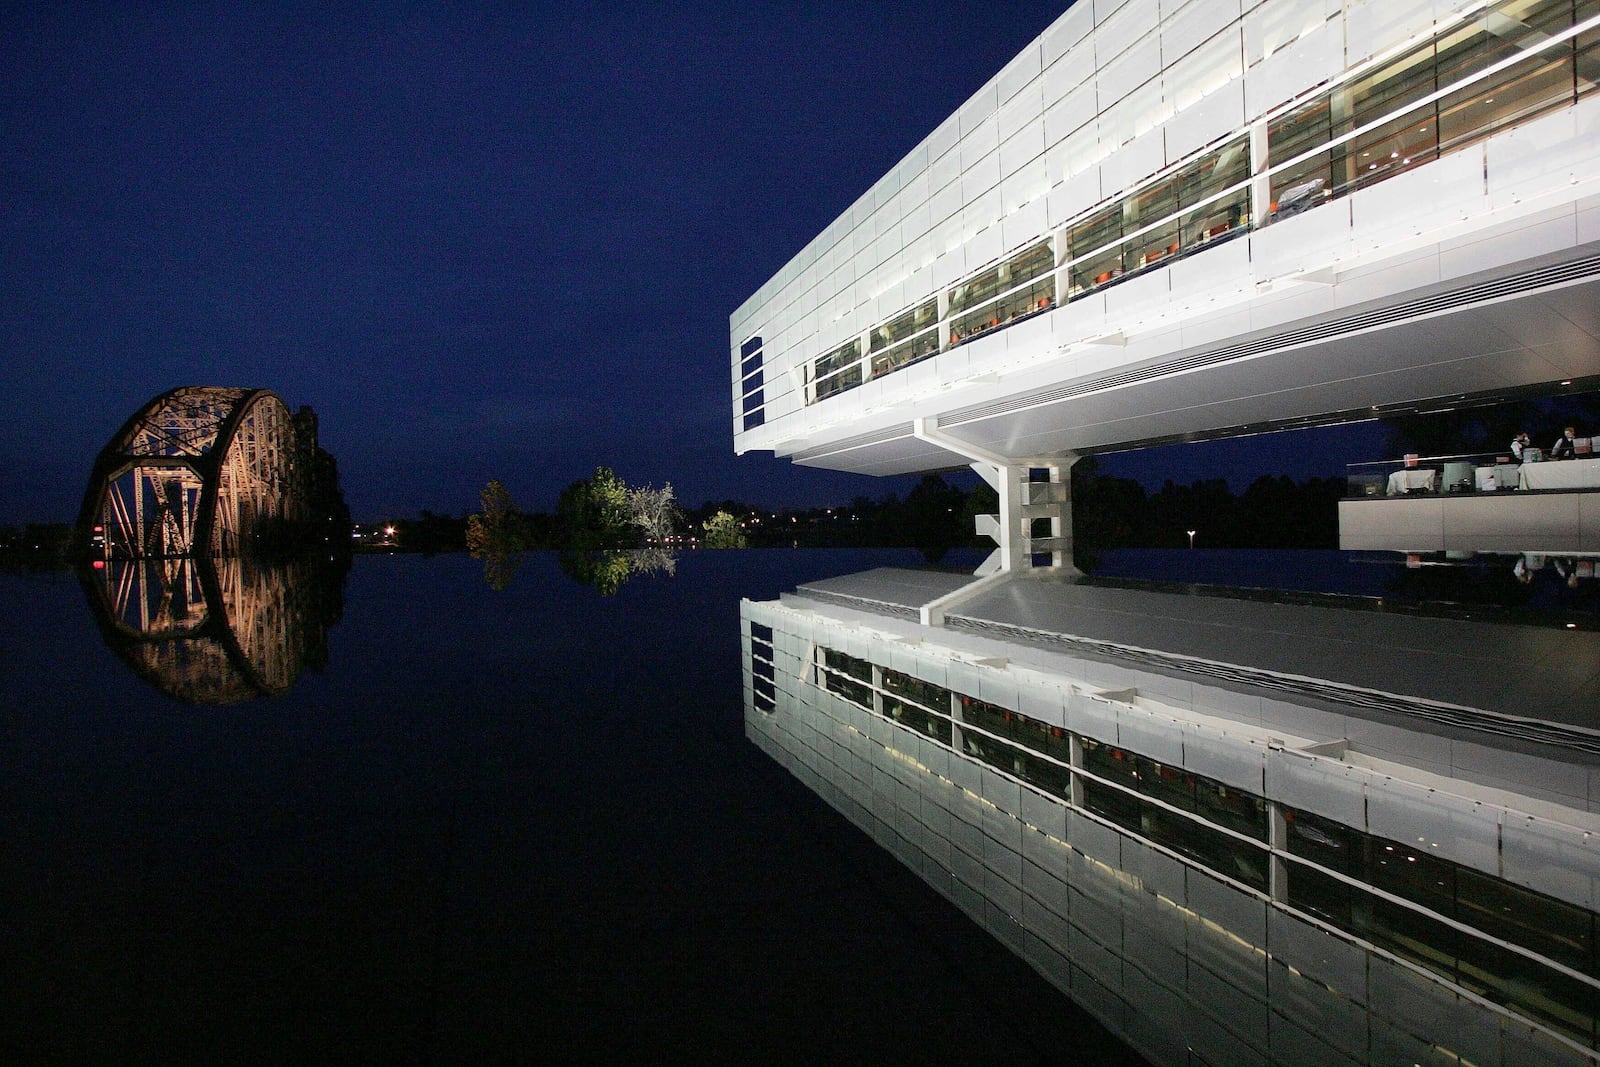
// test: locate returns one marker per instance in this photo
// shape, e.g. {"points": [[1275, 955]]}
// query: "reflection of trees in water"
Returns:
{"points": [[217, 630], [607, 570]]}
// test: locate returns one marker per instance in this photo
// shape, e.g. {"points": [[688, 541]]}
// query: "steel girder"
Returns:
{"points": [[194, 472]]}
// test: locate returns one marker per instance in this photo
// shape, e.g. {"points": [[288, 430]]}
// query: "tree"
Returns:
{"points": [[494, 535], [931, 518], [722, 531], [653, 511], [594, 511]]}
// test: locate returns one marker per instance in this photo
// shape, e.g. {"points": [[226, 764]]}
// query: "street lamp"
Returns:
{"points": [[1191, 537]]}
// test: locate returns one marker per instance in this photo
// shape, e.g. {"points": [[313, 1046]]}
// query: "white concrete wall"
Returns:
{"points": [[1473, 522]]}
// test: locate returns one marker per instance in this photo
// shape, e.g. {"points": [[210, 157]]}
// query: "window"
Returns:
{"points": [[1385, 143], [1551, 928], [1003, 294], [838, 370], [1400, 897], [903, 340], [751, 385], [847, 676], [761, 671]]}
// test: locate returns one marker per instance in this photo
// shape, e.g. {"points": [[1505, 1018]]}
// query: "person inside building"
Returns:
{"points": [[1565, 447], [1518, 443]]}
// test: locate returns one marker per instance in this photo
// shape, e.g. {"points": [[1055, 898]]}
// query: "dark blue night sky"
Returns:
{"points": [[481, 241]]}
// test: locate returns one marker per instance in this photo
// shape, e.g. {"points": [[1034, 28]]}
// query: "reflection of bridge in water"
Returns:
{"points": [[215, 630]]}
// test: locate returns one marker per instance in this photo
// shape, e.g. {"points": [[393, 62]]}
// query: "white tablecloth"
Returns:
{"points": [[1562, 474], [1406, 481], [1488, 479]]}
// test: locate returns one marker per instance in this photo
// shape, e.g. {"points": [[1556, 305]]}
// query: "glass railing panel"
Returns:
{"points": [[1099, 234], [1006, 311], [837, 371], [1035, 262], [1553, 928], [1390, 148], [930, 696], [906, 353], [1521, 91], [904, 325], [1586, 49], [847, 664]]}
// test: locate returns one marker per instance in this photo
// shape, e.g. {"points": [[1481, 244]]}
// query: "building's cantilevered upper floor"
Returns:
{"points": [[1183, 220]]}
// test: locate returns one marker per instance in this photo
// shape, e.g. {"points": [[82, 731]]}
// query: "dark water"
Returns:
{"points": [[515, 826]]}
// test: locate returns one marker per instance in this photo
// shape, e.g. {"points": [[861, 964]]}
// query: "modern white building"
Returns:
{"points": [[1237, 832], [1178, 220]]}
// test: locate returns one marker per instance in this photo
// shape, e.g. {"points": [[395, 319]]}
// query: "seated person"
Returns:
{"points": [[1518, 443], [1564, 448]]}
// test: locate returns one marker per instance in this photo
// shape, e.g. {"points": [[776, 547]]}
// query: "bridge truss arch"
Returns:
{"points": [[195, 472]]}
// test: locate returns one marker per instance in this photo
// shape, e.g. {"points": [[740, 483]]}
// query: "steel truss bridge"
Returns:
{"points": [[195, 472]]}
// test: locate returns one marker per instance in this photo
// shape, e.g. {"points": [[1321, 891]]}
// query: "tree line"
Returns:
{"points": [[603, 512]]}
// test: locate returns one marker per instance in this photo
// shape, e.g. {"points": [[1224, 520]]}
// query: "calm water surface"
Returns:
{"points": [[508, 826]]}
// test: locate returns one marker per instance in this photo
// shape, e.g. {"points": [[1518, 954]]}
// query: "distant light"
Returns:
{"points": [[1567, 382], [1570, 625]]}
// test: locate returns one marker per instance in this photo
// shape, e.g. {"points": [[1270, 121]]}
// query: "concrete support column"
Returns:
{"points": [[1061, 511], [1022, 501], [1013, 529]]}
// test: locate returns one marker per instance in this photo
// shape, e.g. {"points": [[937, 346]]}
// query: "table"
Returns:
{"points": [[1562, 474], [1410, 481]]}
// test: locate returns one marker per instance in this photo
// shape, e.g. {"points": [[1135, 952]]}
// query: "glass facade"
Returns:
{"points": [[1510, 944], [1468, 83], [837, 371], [1000, 296], [918, 705], [1511, 62], [905, 339]]}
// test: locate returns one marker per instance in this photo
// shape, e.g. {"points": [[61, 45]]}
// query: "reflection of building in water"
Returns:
{"points": [[1237, 831], [217, 630]]}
